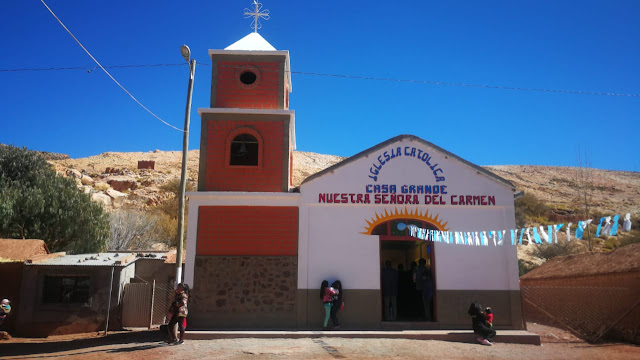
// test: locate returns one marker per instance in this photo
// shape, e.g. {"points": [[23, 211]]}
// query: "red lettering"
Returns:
{"points": [[469, 199], [492, 200], [435, 200], [367, 199], [353, 201], [442, 202], [427, 199], [462, 200], [393, 199], [453, 199], [359, 198], [377, 198], [336, 198], [483, 200], [476, 200], [345, 198], [384, 199], [415, 199], [322, 198]]}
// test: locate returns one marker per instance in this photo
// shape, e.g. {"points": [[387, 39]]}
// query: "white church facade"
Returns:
{"points": [[258, 248]]}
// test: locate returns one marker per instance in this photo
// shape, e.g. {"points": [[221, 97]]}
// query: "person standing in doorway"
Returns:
{"points": [[389, 282], [419, 281], [427, 294]]}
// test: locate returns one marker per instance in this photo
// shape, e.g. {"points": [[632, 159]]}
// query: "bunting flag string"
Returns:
{"points": [[535, 234]]}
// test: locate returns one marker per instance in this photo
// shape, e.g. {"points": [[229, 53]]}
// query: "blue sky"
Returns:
{"points": [[591, 46]]}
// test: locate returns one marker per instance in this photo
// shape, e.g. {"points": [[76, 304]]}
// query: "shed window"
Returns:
{"points": [[244, 150], [66, 289]]}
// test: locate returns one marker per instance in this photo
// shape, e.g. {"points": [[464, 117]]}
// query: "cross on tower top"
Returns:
{"points": [[256, 14]]}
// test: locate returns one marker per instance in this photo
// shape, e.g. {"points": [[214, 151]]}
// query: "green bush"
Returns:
{"points": [[35, 203]]}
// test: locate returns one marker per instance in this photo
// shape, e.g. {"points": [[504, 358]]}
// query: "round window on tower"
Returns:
{"points": [[249, 76]]}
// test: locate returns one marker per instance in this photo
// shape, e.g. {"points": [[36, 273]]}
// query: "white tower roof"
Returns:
{"points": [[253, 41]]}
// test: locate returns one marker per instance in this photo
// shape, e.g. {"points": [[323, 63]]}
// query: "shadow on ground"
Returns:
{"points": [[48, 349]]}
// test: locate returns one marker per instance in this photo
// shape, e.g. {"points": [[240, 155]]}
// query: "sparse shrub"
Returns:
{"points": [[629, 238], [611, 242], [137, 230], [530, 210], [525, 266], [549, 251]]}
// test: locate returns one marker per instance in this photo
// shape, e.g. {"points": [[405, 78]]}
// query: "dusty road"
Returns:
{"points": [[145, 346]]}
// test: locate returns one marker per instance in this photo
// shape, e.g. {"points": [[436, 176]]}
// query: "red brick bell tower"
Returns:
{"points": [[248, 133]]}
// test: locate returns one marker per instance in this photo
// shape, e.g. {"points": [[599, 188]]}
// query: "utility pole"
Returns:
{"points": [[186, 53]]}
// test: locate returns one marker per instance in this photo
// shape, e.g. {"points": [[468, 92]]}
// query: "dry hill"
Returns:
{"points": [[614, 191]]}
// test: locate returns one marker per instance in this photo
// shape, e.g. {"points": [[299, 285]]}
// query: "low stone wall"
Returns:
{"points": [[244, 292]]}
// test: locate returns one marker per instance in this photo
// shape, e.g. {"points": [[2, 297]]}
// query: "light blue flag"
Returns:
{"points": [[536, 236], [521, 233], [579, 230], [614, 227], [599, 227]]}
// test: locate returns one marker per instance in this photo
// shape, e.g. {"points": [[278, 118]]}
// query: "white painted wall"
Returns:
{"points": [[334, 248], [330, 243]]}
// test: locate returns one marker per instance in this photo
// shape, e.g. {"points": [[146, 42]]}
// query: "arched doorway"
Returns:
{"points": [[404, 252]]}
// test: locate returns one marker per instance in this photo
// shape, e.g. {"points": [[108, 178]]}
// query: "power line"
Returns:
{"points": [[355, 77], [105, 70]]}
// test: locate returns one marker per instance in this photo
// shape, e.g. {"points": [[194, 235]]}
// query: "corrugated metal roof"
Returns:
{"points": [[99, 259]]}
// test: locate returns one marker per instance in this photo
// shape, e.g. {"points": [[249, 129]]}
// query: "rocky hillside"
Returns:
{"points": [[116, 176]]}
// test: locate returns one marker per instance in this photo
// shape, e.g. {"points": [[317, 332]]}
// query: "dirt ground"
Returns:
{"points": [[145, 345]]}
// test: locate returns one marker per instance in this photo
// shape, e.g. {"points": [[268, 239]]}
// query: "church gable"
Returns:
{"points": [[416, 170]]}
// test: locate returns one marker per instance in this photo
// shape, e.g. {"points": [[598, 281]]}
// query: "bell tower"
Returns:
{"points": [[248, 133]]}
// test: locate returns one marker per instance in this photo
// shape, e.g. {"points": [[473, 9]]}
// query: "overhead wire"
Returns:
{"points": [[355, 77], [105, 70]]}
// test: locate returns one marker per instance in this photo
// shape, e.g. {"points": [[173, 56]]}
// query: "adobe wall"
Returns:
{"points": [[10, 289], [39, 319], [565, 302]]}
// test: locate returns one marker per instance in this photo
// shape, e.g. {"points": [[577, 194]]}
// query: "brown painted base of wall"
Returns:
{"points": [[242, 292], [452, 307], [363, 311]]}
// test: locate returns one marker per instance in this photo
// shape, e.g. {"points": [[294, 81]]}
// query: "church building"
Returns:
{"points": [[258, 248]]}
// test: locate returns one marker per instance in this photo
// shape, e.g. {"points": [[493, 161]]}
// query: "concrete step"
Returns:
{"points": [[467, 336]]}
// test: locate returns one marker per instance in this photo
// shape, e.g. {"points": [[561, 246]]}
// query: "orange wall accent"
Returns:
{"points": [[223, 177], [247, 230], [263, 94]]}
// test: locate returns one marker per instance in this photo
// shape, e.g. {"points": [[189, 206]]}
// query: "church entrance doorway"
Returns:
{"points": [[404, 273]]}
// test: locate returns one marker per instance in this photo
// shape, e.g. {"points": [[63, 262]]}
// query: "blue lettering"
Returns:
{"points": [[368, 188], [380, 160]]}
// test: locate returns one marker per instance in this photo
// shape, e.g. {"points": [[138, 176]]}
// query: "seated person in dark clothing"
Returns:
{"points": [[480, 325]]}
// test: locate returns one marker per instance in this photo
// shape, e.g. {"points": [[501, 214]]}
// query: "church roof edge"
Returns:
{"points": [[383, 144]]}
